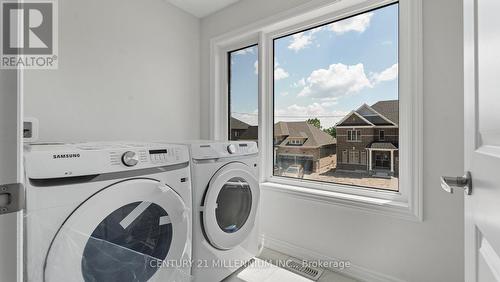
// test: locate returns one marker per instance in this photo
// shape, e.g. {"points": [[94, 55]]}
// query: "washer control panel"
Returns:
{"points": [[156, 157], [67, 160]]}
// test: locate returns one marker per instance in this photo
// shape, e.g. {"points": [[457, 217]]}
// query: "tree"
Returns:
{"points": [[332, 131], [315, 121]]}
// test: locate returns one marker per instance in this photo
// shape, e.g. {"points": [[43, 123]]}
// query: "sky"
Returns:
{"points": [[325, 72]]}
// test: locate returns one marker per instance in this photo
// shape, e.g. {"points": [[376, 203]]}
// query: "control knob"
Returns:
{"points": [[130, 158], [231, 149]]}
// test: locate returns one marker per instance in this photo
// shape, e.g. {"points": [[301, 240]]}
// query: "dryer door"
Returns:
{"points": [[125, 232], [230, 206]]}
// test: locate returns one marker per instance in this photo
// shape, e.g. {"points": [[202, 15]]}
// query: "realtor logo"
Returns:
{"points": [[28, 34]]}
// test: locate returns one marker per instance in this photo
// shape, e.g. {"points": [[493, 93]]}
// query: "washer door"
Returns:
{"points": [[230, 206], [123, 233]]}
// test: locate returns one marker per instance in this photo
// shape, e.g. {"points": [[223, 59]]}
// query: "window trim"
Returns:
{"points": [[357, 134], [407, 203]]}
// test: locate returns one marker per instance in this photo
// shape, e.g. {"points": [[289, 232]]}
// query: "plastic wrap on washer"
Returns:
{"points": [[137, 241]]}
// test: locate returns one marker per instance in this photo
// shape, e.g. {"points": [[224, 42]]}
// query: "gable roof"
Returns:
{"points": [[382, 113], [238, 124], [389, 109], [314, 137]]}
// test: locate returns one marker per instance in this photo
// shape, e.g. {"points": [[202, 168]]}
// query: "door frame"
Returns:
{"points": [[470, 142]]}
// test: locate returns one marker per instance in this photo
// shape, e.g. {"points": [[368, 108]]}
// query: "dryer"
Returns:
{"points": [[107, 212], [226, 198]]}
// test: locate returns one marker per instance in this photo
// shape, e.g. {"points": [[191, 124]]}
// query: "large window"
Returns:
{"points": [[336, 88], [243, 93], [334, 83]]}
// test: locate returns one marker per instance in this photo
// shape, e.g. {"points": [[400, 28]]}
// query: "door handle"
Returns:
{"points": [[449, 183]]}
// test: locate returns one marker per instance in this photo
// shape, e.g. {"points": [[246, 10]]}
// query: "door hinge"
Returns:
{"points": [[11, 198]]}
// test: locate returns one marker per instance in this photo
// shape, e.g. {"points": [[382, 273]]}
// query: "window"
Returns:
{"points": [[344, 157], [243, 93], [354, 157], [332, 69], [381, 135], [331, 78], [296, 142], [353, 135]]}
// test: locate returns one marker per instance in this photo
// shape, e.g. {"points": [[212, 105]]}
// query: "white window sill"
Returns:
{"points": [[385, 207]]}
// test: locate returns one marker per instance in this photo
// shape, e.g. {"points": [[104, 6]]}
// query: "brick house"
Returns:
{"points": [[368, 139], [237, 128], [300, 143]]}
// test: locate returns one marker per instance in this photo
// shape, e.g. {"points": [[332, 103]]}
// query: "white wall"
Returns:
{"points": [[427, 251], [128, 70]]}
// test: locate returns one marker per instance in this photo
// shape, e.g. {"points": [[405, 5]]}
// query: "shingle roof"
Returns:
{"points": [[389, 109], [314, 136], [238, 124], [382, 145]]}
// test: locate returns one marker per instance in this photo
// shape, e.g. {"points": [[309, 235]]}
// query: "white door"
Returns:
{"points": [[10, 173], [482, 139], [230, 206]]}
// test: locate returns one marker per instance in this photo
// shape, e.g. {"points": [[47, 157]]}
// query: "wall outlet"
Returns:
{"points": [[30, 129]]}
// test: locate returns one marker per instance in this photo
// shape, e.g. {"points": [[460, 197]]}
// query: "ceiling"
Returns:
{"points": [[201, 8]]}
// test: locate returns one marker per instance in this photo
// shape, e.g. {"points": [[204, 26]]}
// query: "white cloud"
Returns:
{"points": [[336, 81], [280, 73], [358, 23], [284, 94], [300, 41], [388, 74], [244, 51], [300, 83], [251, 118], [256, 66]]}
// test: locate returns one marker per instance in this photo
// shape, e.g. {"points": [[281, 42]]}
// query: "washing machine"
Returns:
{"points": [[226, 198], [107, 212]]}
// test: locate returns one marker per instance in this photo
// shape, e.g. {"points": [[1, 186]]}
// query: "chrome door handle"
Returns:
{"points": [[449, 183]]}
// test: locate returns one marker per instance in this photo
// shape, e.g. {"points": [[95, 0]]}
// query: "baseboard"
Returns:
{"points": [[354, 271]]}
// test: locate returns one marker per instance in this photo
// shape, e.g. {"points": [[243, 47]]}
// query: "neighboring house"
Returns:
{"points": [[368, 139], [251, 134], [303, 144], [237, 128]]}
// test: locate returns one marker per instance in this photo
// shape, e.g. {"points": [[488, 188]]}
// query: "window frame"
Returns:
{"points": [[350, 135], [407, 202]]}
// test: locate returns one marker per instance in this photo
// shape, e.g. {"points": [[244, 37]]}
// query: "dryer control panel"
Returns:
{"points": [[216, 150], [65, 160]]}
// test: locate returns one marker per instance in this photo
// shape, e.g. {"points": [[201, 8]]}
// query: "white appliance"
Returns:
{"points": [[108, 212], [226, 198]]}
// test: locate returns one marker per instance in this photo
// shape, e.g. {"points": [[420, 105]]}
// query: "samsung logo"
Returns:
{"points": [[66, 156]]}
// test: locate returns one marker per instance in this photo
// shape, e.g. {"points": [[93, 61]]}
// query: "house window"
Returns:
{"points": [[354, 135], [243, 82], [381, 135], [344, 157], [363, 158], [295, 142], [353, 157]]}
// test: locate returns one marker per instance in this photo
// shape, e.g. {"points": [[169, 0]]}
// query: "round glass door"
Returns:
{"points": [[126, 243], [126, 232], [234, 205], [230, 206]]}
